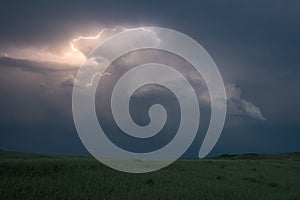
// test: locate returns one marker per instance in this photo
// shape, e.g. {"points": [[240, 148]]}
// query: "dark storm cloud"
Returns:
{"points": [[35, 108], [255, 44], [35, 66], [51, 23]]}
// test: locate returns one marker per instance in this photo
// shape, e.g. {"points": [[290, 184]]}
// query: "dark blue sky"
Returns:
{"points": [[255, 44]]}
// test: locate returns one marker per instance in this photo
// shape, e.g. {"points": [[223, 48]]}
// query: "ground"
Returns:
{"points": [[242, 177]]}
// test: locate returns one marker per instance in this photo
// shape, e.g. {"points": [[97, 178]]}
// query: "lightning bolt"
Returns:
{"points": [[92, 37], [95, 75], [95, 37], [121, 28], [72, 47], [101, 32]]}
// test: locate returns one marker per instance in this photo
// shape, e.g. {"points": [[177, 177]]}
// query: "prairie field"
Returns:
{"points": [[251, 176]]}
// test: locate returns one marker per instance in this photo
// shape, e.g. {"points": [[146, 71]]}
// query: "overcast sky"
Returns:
{"points": [[255, 45]]}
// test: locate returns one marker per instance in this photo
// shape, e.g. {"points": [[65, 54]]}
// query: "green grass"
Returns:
{"points": [[31, 176]]}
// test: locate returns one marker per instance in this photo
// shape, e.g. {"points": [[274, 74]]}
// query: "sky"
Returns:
{"points": [[255, 45]]}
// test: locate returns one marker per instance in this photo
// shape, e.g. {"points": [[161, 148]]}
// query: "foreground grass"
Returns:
{"points": [[29, 176]]}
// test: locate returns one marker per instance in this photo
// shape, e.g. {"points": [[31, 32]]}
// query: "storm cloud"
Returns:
{"points": [[254, 44]]}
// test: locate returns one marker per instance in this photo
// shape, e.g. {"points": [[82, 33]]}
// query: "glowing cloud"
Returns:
{"points": [[72, 53]]}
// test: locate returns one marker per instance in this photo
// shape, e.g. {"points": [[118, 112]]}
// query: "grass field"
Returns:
{"points": [[31, 176]]}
